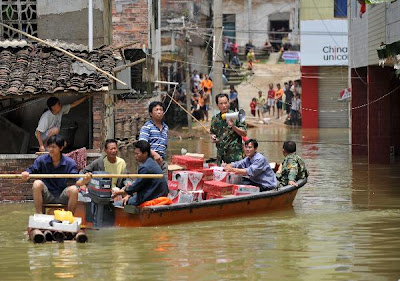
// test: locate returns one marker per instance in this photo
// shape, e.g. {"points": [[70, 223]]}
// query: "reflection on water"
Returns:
{"points": [[344, 225]]}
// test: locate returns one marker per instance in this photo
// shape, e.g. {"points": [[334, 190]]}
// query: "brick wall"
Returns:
{"points": [[131, 107], [14, 189], [133, 111], [130, 22]]}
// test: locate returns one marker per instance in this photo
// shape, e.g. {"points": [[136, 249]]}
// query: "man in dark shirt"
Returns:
{"points": [[145, 188], [54, 190], [289, 98]]}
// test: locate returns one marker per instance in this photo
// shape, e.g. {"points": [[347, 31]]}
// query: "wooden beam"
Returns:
{"points": [[122, 67]]}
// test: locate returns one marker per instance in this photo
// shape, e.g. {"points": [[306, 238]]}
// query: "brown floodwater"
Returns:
{"points": [[344, 225]]}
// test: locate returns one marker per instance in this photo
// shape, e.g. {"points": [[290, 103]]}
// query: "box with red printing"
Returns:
{"points": [[228, 177], [211, 195], [187, 162], [188, 180], [245, 189], [238, 193], [217, 187], [173, 185], [208, 174], [173, 190]]}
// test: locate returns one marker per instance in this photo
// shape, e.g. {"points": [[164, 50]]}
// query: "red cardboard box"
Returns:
{"points": [[217, 187], [227, 177], [187, 162], [173, 185], [188, 180], [245, 189], [173, 191], [238, 193], [208, 174], [212, 196]]}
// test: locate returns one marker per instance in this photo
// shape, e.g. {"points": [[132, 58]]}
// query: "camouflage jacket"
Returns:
{"points": [[293, 169], [229, 146]]}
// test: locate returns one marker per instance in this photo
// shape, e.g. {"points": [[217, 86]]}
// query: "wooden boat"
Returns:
{"points": [[131, 216]]}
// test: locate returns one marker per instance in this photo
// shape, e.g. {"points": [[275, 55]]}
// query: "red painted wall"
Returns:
{"points": [[309, 97], [359, 120], [379, 80]]}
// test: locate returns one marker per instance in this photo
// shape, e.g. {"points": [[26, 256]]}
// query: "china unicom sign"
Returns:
{"points": [[324, 42]]}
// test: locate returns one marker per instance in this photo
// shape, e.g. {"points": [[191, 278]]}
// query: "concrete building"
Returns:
{"points": [[245, 20], [324, 60], [375, 89]]}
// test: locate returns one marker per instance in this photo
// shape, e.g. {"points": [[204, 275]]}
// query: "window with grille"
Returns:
{"points": [[20, 15]]}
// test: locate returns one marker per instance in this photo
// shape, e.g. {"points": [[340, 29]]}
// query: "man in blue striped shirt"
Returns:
{"points": [[155, 132]]}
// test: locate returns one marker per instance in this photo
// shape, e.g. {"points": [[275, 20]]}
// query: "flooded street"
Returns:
{"points": [[344, 225]]}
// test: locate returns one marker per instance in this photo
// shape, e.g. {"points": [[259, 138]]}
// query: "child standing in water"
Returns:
{"points": [[253, 106]]}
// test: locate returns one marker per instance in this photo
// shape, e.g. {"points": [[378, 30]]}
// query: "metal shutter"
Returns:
{"points": [[332, 113]]}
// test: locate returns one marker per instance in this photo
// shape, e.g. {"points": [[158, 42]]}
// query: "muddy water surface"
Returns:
{"points": [[344, 225]]}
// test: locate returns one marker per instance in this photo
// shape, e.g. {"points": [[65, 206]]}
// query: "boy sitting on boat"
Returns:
{"points": [[255, 168], [53, 190], [144, 189], [293, 167]]}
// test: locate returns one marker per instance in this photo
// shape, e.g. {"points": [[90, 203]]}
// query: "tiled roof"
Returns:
{"points": [[27, 68]]}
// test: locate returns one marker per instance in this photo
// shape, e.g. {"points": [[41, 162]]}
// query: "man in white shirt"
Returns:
{"points": [[50, 121]]}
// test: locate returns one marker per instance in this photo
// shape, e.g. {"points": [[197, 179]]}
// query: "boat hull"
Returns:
{"points": [[262, 202]]}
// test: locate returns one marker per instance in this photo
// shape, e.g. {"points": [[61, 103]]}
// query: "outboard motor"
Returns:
{"points": [[101, 208]]}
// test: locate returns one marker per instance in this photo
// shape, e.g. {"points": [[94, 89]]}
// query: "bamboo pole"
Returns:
{"points": [[64, 51], [75, 176], [184, 109]]}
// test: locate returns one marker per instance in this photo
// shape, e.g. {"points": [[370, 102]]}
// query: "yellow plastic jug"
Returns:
{"points": [[62, 215]]}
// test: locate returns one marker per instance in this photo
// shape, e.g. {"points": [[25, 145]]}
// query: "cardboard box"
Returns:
{"points": [[188, 180], [173, 185], [208, 174], [187, 162], [211, 195], [185, 197], [227, 177], [238, 193], [245, 189], [217, 188]]}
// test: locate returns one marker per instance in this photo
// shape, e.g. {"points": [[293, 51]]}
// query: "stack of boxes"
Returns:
{"points": [[199, 181]]}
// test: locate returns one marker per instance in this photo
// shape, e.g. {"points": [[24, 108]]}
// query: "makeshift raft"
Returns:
{"points": [[45, 228]]}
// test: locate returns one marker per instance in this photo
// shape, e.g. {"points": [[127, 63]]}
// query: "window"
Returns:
{"points": [[229, 23], [340, 9], [20, 15]]}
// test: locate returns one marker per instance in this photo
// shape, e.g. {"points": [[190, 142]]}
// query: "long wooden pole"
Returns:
{"points": [[75, 176], [184, 109], [64, 51]]}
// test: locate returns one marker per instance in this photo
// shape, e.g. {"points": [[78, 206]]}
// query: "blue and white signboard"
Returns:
{"points": [[324, 42]]}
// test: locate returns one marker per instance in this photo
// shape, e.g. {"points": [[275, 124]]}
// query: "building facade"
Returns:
{"points": [[375, 88], [259, 21], [324, 63]]}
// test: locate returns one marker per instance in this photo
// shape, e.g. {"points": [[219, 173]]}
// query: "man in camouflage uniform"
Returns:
{"points": [[293, 167], [227, 134]]}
